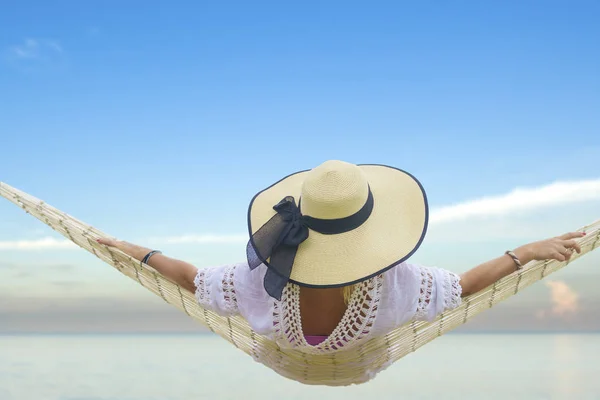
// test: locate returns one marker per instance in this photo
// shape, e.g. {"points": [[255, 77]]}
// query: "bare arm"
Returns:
{"points": [[480, 277], [177, 271], [485, 274]]}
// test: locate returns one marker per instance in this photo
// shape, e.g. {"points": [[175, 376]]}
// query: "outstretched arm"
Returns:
{"points": [[480, 277], [177, 271]]}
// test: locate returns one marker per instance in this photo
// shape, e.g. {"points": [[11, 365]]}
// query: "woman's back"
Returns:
{"points": [[321, 310]]}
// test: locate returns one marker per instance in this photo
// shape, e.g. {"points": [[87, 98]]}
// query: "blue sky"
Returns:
{"points": [[157, 121]]}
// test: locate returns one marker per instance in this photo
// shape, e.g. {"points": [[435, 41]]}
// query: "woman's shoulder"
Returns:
{"points": [[416, 292], [414, 277], [402, 285], [404, 275]]}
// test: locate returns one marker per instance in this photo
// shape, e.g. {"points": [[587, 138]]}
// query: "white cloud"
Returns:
{"points": [[565, 301], [37, 244], [36, 48], [49, 243], [520, 199]]}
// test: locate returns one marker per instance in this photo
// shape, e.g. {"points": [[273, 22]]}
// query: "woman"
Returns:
{"points": [[331, 271]]}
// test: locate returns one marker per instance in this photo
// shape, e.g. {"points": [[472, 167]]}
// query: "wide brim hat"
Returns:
{"points": [[336, 224]]}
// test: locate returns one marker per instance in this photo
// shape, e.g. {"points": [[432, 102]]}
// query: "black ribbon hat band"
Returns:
{"points": [[278, 239]]}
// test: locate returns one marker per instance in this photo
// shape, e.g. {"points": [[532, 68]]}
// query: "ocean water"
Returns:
{"points": [[178, 367]]}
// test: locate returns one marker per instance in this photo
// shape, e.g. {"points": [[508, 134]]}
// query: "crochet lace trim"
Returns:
{"points": [[202, 289], [452, 291], [229, 294], [356, 324], [425, 293]]}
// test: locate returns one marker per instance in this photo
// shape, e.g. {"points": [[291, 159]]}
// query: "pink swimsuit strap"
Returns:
{"points": [[314, 340]]}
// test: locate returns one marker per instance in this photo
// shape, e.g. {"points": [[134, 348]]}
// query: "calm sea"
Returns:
{"points": [[185, 367]]}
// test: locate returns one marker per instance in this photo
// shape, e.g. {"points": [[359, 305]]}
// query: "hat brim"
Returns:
{"points": [[392, 233]]}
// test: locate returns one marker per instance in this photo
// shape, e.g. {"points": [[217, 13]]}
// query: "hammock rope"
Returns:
{"points": [[341, 368]]}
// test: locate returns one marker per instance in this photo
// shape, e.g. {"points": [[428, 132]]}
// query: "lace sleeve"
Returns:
{"points": [[426, 292], [215, 289], [439, 291]]}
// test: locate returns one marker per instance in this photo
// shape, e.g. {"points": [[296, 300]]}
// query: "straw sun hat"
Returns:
{"points": [[335, 225]]}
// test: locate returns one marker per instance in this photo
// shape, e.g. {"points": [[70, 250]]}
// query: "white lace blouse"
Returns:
{"points": [[397, 296]]}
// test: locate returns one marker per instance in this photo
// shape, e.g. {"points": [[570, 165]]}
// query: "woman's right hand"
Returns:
{"points": [[559, 248]]}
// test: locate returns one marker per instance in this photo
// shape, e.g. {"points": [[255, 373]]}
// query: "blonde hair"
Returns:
{"points": [[347, 291]]}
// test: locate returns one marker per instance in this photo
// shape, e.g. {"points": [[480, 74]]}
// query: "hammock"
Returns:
{"points": [[338, 368]]}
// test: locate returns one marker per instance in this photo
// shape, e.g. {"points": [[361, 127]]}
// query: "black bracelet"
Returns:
{"points": [[147, 257]]}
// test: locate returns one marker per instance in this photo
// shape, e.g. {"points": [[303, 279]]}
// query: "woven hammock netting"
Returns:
{"points": [[338, 368]]}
